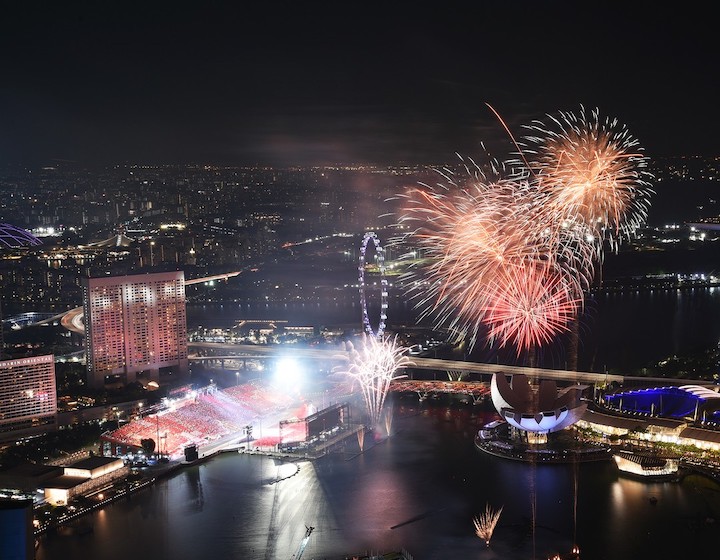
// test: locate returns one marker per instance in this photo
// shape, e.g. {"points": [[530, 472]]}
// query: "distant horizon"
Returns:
{"points": [[451, 160], [305, 85]]}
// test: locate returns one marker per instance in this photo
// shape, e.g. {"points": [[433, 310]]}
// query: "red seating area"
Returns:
{"points": [[210, 416], [258, 397], [293, 432]]}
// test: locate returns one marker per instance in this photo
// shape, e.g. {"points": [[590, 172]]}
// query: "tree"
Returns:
{"points": [[148, 445]]}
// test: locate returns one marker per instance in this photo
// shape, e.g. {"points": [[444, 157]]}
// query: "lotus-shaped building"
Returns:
{"points": [[542, 410]]}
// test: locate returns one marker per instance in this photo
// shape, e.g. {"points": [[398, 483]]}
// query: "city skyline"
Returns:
{"points": [[288, 85], [255, 149]]}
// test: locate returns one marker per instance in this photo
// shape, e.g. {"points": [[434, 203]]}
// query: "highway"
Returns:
{"points": [[73, 320]]}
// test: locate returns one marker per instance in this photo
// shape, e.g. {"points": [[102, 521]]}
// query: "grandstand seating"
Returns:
{"points": [[210, 416]]}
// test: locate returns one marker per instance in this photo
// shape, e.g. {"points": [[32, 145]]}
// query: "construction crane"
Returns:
{"points": [[303, 543]]}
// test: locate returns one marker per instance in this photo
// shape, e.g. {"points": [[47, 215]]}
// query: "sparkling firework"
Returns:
{"points": [[529, 306], [373, 366], [388, 422], [484, 241], [456, 374], [486, 522], [512, 248], [361, 438], [590, 172]]}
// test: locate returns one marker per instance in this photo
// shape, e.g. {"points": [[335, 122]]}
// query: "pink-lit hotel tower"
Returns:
{"points": [[135, 328], [28, 397]]}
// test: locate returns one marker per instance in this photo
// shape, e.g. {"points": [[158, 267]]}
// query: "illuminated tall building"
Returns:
{"points": [[28, 396], [135, 328]]}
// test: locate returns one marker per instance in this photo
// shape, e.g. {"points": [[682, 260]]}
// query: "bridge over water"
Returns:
{"points": [[484, 370], [475, 389]]}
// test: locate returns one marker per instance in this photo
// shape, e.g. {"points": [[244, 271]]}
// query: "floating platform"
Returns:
{"points": [[646, 466]]}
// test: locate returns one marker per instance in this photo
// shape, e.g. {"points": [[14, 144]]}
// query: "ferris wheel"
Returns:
{"points": [[380, 262]]}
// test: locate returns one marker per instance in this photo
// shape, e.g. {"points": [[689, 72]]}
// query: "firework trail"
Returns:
{"points": [[388, 422], [456, 374], [373, 366], [361, 438], [512, 247], [485, 523]]}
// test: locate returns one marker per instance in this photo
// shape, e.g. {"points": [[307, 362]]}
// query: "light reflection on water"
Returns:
{"points": [[419, 489]]}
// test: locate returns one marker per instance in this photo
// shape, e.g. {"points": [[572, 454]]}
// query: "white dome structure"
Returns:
{"points": [[543, 410]]}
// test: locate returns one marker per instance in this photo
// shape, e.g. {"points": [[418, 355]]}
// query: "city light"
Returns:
{"points": [[289, 375]]}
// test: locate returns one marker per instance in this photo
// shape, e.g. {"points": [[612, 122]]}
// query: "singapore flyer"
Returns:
{"points": [[380, 261]]}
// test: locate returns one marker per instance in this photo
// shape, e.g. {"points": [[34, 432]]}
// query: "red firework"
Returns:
{"points": [[477, 238], [528, 307]]}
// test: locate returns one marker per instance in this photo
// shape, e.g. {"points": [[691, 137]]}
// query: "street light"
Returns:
{"points": [[237, 378]]}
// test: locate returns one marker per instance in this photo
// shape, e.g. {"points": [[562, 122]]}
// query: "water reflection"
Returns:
{"points": [[419, 489], [193, 483]]}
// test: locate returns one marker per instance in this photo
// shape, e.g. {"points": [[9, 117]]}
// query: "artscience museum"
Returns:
{"points": [[538, 410]]}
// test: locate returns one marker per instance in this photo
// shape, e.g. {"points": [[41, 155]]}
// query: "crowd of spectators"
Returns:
{"points": [[258, 397], [210, 415]]}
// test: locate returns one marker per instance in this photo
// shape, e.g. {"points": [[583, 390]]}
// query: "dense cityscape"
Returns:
{"points": [[209, 220], [247, 236], [319, 282]]}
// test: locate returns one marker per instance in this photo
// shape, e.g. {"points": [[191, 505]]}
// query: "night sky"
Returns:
{"points": [[300, 83]]}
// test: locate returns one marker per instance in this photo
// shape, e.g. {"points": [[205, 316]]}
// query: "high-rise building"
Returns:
{"points": [[135, 328], [28, 396]]}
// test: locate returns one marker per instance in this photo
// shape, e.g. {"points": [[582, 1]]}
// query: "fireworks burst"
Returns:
{"points": [[485, 523], [486, 244], [373, 366], [510, 249], [529, 306], [590, 171]]}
